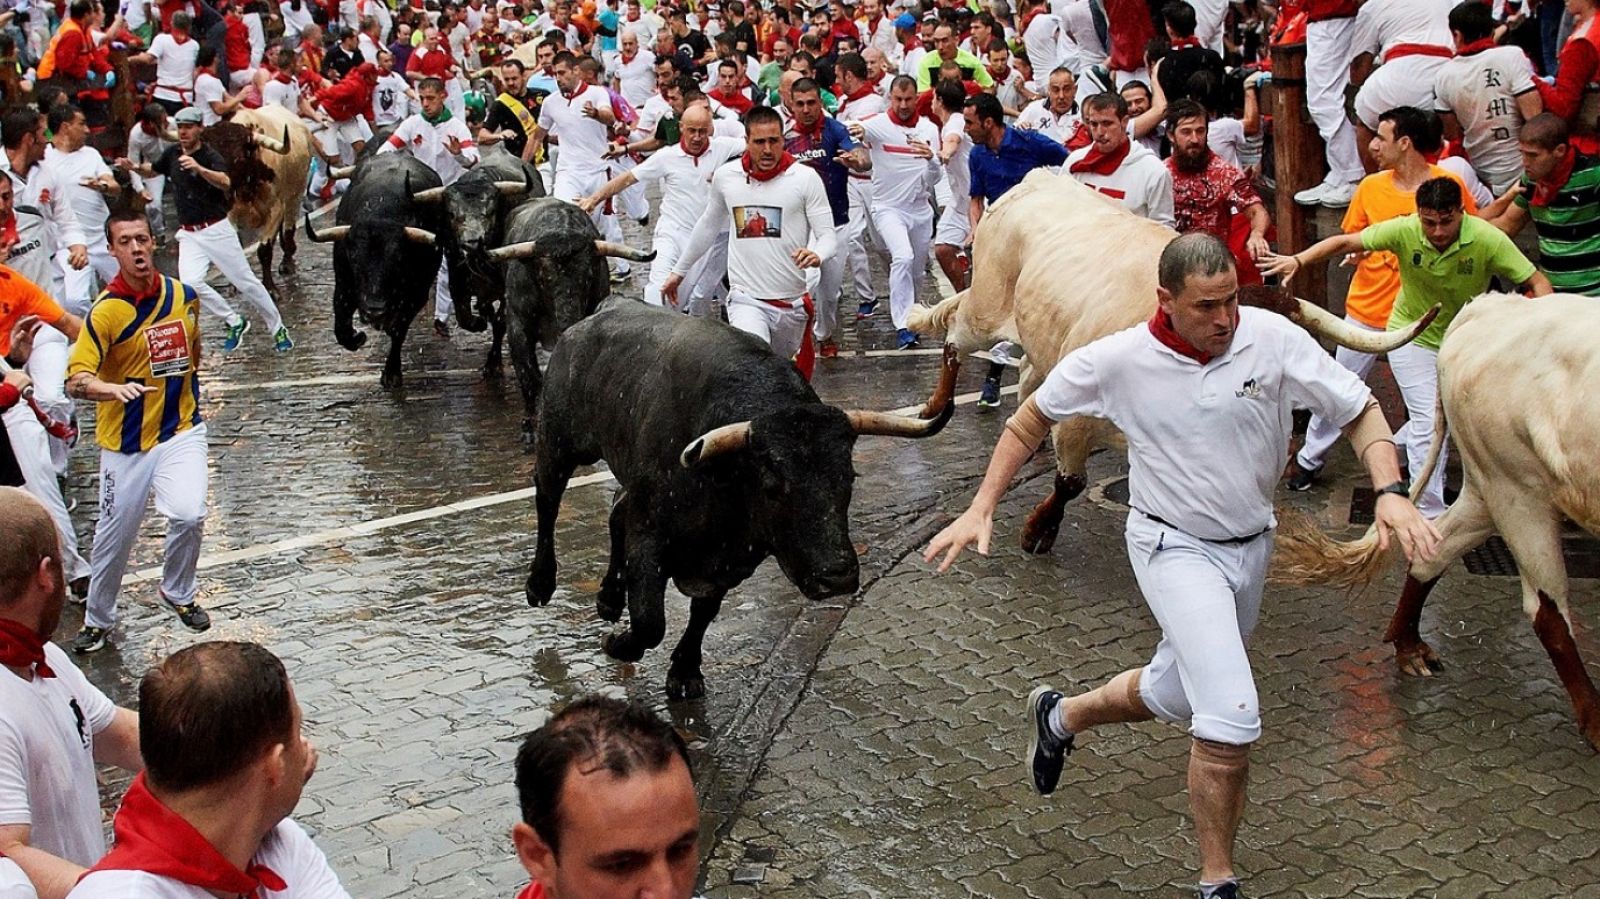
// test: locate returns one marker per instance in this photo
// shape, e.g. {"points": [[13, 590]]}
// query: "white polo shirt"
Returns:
{"points": [[1038, 116], [636, 78], [47, 779], [900, 178], [426, 142], [174, 68], [287, 850], [685, 182], [208, 88], [583, 140], [765, 222], [283, 93], [88, 205], [1482, 91], [1206, 443], [1142, 183]]}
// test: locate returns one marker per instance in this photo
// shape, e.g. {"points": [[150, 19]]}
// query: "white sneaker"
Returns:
{"points": [[1338, 196], [1312, 196]]}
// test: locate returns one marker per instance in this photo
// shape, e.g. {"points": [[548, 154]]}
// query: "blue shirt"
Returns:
{"points": [[820, 153], [608, 19], [1020, 153]]}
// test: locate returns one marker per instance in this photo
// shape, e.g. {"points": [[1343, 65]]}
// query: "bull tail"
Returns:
{"points": [[931, 321], [1303, 556]]}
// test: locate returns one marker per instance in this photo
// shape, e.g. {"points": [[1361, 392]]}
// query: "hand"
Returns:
{"points": [[22, 334], [187, 163], [77, 256], [19, 379], [806, 259], [1419, 539], [588, 204], [856, 129], [589, 111], [127, 393], [972, 527], [920, 149], [124, 163], [453, 144], [1022, 125], [613, 151], [1351, 260], [669, 289], [1258, 246], [1286, 266]]}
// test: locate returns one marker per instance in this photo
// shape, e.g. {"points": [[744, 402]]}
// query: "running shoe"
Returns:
{"points": [[1301, 478], [441, 328], [906, 339], [193, 617], [867, 309], [281, 341], [1046, 752], [829, 349], [80, 588], [233, 338], [1228, 889], [989, 396], [90, 639]]}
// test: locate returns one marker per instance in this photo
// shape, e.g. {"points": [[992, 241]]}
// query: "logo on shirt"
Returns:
{"points": [[757, 221], [1251, 390], [1466, 266], [82, 722], [1416, 257]]}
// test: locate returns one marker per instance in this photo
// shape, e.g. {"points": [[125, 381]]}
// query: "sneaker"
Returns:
{"points": [[1339, 195], [989, 396], [906, 339], [281, 341], [1301, 478], [441, 328], [829, 349], [90, 639], [1312, 196], [1046, 753], [80, 588], [193, 617], [619, 276], [1228, 889], [233, 338], [867, 309]]}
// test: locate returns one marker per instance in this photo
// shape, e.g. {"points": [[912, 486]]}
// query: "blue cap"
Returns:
{"points": [[905, 20]]}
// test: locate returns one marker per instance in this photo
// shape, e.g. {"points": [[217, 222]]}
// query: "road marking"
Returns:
{"points": [[874, 354], [331, 380], [378, 525]]}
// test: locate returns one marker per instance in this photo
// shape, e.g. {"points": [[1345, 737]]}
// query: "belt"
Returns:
{"points": [[199, 227], [1399, 50], [1228, 541]]}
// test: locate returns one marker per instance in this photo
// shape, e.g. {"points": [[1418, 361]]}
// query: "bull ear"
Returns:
{"points": [[715, 442]]}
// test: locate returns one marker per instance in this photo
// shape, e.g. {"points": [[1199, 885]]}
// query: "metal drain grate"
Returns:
{"points": [[1492, 559]]}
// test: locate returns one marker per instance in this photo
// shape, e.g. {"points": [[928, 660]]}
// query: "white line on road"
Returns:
{"points": [[376, 525]]}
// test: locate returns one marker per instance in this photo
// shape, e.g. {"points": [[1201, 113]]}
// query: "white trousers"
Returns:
{"points": [[1322, 434], [711, 267], [633, 202], [176, 472], [829, 284], [783, 328], [1416, 371], [31, 444], [1207, 598], [1327, 75], [444, 303], [79, 286], [855, 236], [218, 245], [570, 184], [906, 235], [1406, 81], [156, 187]]}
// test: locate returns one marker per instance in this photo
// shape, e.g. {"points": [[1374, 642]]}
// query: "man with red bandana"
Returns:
{"points": [[1577, 86], [1208, 191], [1119, 168]]}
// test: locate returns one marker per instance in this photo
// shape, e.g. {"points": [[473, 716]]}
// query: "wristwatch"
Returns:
{"points": [[1398, 488]]}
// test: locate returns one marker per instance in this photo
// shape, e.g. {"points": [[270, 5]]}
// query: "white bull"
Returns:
{"points": [[1517, 378], [276, 213], [1057, 265]]}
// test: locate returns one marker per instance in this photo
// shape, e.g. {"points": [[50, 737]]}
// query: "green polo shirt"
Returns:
{"points": [[1451, 278], [971, 66]]}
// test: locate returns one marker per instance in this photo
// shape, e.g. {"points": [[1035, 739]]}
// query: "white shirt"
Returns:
{"points": [[766, 222], [426, 142], [368, 47], [1009, 90], [882, 36], [1463, 170], [650, 114], [45, 223], [1142, 183], [912, 61], [70, 170], [174, 67], [1206, 444], [1043, 43], [1038, 117], [901, 179], [257, 32], [207, 89], [13, 883], [287, 850], [295, 21], [861, 109], [636, 78], [1225, 137], [1208, 16], [47, 770], [643, 28], [957, 173], [1382, 24], [283, 93], [685, 181], [583, 139], [1481, 90], [146, 148], [390, 103], [1081, 46], [135, 13]]}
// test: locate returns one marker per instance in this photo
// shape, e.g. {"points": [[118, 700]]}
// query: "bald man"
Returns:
{"points": [[55, 727]]}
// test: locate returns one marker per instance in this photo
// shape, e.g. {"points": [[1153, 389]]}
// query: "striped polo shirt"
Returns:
{"points": [[1569, 229]]}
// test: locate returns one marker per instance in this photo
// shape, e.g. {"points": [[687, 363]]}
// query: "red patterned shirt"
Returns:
{"points": [[1205, 200]]}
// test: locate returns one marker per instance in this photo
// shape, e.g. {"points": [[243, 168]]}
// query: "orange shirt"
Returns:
{"points": [[1376, 281], [19, 297]]}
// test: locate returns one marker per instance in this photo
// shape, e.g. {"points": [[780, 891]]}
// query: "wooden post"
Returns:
{"points": [[1300, 162]]}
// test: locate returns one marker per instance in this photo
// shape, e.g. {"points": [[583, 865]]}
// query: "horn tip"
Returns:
{"points": [[691, 453]]}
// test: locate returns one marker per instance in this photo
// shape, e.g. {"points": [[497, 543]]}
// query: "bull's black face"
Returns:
{"points": [[473, 211], [801, 477], [568, 277], [394, 276]]}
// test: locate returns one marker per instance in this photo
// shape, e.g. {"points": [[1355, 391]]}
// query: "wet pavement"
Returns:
{"points": [[864, 746]]}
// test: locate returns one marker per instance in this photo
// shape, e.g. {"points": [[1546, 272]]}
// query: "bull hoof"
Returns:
{"points": [[1417, 659], [355, 341], [621, 646], [493, 370], [1590, 728], [609, 604], [688, 685], [391, 380], [286, 266], [541, 587], [1039, 539]]}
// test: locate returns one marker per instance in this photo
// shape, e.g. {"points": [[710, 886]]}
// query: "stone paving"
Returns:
{"points": [[867, 746]]}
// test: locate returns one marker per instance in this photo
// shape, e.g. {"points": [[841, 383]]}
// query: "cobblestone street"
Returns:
{"points": [[867, 746]]}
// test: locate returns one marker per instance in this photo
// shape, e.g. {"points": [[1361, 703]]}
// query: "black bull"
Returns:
{"points": [[724, 456], [555, 276], [386, 253]]}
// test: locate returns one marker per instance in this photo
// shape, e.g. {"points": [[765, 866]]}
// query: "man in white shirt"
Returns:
{"points": [[684, 171], [1204, 460], [1041, 36], [877, 30], [1484, 95], [1119, 168], [55, 727], [174, 55], [83, 177], [210, 94], [954, 231], [1081, 46], [579, 115], [147, 140], [1056, 113], [857, 103], [391, 98], [209, 815], [633, 71], [776, 214]]}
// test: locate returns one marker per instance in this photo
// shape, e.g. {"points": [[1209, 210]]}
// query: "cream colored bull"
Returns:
{"points": [[1517, 384], [276, 212], [1057, 265]]}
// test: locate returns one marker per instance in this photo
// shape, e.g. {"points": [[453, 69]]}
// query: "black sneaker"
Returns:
{"points": [[193, 617], [90, 639], [1046, 752], [1228, 889], [80, 589], [1301, 478], [989, 396]]}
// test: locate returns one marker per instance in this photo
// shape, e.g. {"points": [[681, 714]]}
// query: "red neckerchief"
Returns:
{"points": [[121, 288], [874, 81], [1161, 327], [534, 890], [1477, 47], [627, 59], [574, 95], [693, 157], [180, 38], [814, 132], [154, 839], [904, 123], [1001, 78], [22, 647], [1545, 191], [750, 171], [1184, 43], [862, 91], [911, 43], [1098, 163], [1079, 138], [1027, 19], [283, 77]]}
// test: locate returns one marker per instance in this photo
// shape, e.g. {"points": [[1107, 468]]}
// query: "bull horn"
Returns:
{"points": [[883, 424], [715, 442], [1325, 324], [342, 172], [622, 251], [513, 251], [337, 232], [515, 188], [420, 235], [273, 144], [430, 195]]}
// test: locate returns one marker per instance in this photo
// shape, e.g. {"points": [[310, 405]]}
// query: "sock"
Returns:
{"points": [[995, 370], [1209, 890], [1057, 721]]}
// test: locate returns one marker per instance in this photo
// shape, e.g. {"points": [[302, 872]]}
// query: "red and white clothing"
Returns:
{"points": [[685, 189], [14, 884], [391, 100], [1081, 46], [859, 190], [1139, 181], [955, 222], [69, 170], [282, 91], [1481, 88], [175, 63], [880, 33], [902, 194], [1066, 129], [1041, 40], [47, 768], [635, 77], [427, 142], [208, 89], [1411, 38], [580, 165]]}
